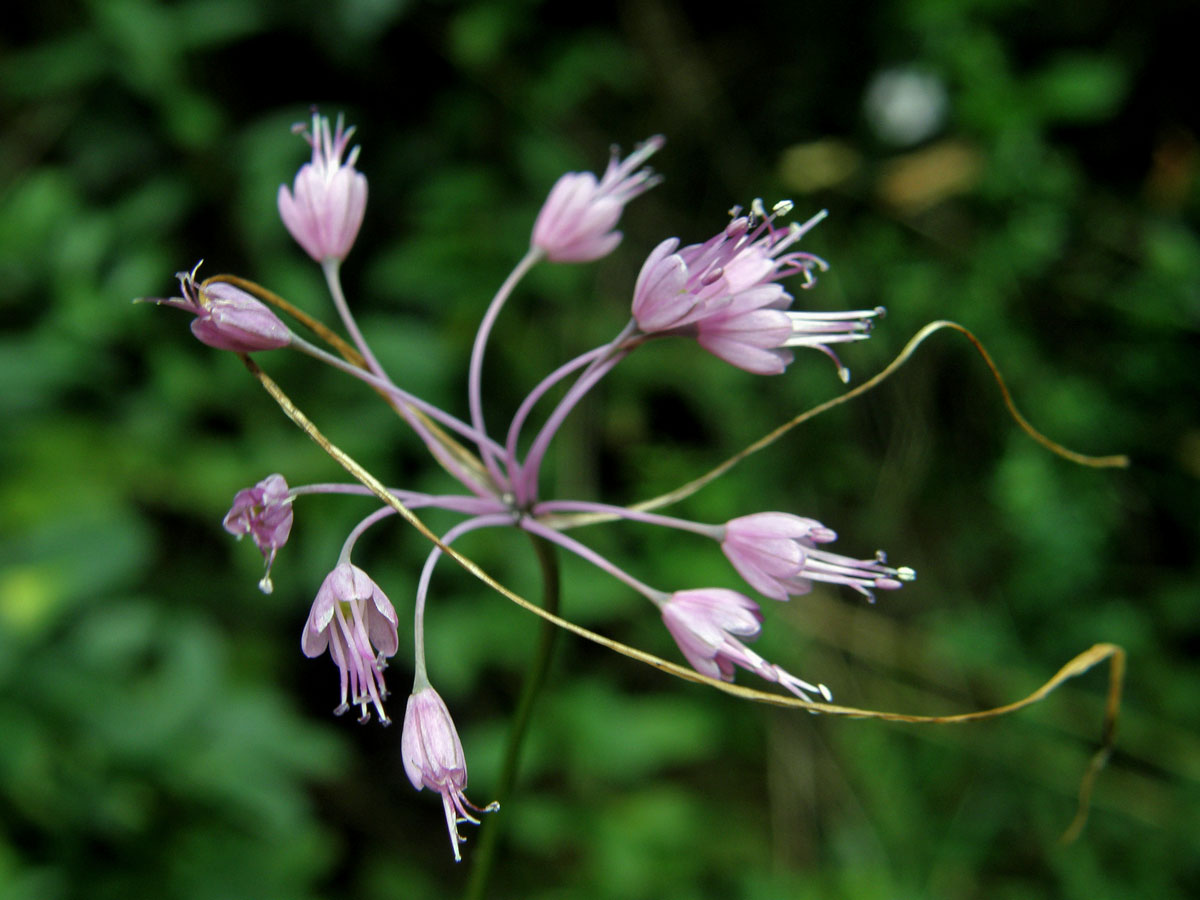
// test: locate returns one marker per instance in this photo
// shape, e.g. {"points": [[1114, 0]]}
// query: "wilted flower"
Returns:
{"points": [[433, 758], [355, 620], [777, 555], [726, 294], [704, 622], [265, 513], [226, 316], [577, 220], [325, 207]]}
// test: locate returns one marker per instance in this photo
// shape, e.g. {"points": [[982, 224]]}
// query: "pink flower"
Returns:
{"points": [[355, 620], [726, 294], [226, 316], [433, 758], [757, 340], [777, 555], [265, 513], [325, 207], [704, 622], [577, 220]]}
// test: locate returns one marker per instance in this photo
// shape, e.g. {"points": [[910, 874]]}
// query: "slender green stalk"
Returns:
{"points": [[484, 855]]}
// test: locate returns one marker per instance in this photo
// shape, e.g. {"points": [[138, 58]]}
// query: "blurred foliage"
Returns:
{"points": [[161, 733]]}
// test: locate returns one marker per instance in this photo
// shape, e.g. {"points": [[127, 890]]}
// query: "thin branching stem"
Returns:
{"points": [[535, 678]]}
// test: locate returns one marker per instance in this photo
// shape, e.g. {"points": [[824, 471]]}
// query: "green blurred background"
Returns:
{"points": [[1028, 171]]}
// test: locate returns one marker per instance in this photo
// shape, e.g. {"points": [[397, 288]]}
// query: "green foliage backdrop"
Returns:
{"points": [[161, 733]]}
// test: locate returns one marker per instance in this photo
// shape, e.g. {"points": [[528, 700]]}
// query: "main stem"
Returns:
{"points": [[489, 833]]}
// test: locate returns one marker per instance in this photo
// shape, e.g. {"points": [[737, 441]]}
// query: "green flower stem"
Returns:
{"points": [[489, 833]]}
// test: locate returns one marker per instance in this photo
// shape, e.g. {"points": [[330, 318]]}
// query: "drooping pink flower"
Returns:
{"points": [[325, 207], [433, 758], [577, 220], [354, 619], [265, 513], [725, 293], [704, 623], [226, 316], [777, 555]]}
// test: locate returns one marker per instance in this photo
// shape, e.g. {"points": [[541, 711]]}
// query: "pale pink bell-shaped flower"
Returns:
{"points": [[704, 623], [757, 340], [265, 513], [577, 220], [433, 758], [226, 316], [777, 555], [325, 207], [355, 620], [726, 294]]}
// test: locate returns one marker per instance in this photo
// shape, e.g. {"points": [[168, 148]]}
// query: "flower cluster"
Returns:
{"points": [[725, 293]]}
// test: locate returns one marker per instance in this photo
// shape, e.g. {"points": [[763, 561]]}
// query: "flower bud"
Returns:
{"points": [[577, 221]]}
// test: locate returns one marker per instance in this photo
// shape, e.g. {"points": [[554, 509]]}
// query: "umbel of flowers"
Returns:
{"points": [[726, 293]]}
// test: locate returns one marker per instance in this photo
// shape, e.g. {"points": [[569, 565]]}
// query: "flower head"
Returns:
{"points": [[704, 622], [226, 316], [355, 620], [778, 556], [265, 513], [577, 220], [325, 207], [433, 758], [726, 294]]}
